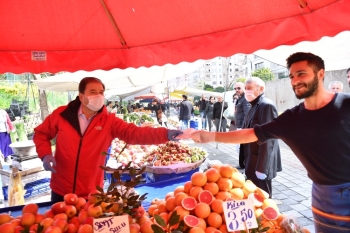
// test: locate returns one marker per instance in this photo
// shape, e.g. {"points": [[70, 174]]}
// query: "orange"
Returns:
{"points": [[170, 203], [212, 174], [196, 230], [155, 212], [237, 193], [225, 184], [202, 210], [195, 191], [216, 206], [199, 179], [146, 227], [214, 220], [226, 170], [162, 207], [202, 224], [187, 187], [178, 189], [179, 197], [169, 194], [222, 195], [181, 211], [223, 228], [142, 220], [216, 166], [211, 187], [165, 217], [211, 230]]}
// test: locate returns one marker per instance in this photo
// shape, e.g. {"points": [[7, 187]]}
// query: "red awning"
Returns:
{"points": [[51, 36]]}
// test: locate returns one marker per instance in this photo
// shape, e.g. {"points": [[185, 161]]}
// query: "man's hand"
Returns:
{"points": [[202, 136], [261, 176], [47, 160], [172, 134]]}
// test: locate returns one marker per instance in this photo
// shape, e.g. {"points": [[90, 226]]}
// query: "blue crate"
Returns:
{"points": [[33, 188], [160, 189], [152, 177]]}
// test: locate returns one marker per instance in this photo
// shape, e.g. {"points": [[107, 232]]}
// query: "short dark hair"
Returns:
{"points": [[184, 96], [313, 60], [347, 70], [155, 100], [86, 80]]}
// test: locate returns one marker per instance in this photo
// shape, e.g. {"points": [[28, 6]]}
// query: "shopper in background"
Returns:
{"points": [[242, 109], [110, 107], [318, 131], [217, 114], [6, 127], [84, 130], [234, 101], [262, 162], [348, 76], [186, 111], [208, 112], [335, 86], [159, 109], [202, 104]]}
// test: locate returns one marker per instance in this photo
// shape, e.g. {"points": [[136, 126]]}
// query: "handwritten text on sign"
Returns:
{"points": [[116, 224], [239, 215]]}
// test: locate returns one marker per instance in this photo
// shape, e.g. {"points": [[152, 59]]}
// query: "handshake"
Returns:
{"points": [[197, 136]]}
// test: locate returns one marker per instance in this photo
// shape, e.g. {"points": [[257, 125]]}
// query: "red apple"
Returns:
{"points": [[94, 211], [71, 211], [59, 207], [70, 199]]}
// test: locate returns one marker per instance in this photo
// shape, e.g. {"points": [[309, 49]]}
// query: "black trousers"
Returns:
{"points": [[56, 197], [241, 156]]}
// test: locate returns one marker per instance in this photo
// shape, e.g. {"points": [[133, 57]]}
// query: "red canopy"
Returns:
{"points": [[38, 36]]}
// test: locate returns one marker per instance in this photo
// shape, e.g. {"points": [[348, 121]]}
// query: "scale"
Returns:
{"points": [[26, 162]]}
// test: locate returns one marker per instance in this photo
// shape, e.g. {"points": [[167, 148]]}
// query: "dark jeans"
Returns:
{"points": [[56, 197]]}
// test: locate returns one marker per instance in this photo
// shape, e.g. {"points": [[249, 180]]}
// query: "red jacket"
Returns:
{"points": [[79, 157]]}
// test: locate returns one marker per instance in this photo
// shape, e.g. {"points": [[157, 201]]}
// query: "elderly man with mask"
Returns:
{"points": [[242, 109], [262, 162]]}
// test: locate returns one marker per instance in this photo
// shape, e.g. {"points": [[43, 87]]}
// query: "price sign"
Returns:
{"points": [[239, 215], [116, 224]]}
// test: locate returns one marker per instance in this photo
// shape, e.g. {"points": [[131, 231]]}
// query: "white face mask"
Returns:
{"points": [[250, 95], [95, 102]]}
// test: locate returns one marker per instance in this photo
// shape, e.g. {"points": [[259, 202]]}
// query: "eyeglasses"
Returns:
{"points": [[237, 88]]}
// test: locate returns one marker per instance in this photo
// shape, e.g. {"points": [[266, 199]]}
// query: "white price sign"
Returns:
{"points": [[239, 215], [116, 224]]}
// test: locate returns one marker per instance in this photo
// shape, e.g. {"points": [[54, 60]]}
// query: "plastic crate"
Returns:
{"points": [[32, 189], [160, 189], [152, 177]]}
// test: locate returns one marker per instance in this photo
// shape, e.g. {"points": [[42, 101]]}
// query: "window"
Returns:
{"points": [[214, 82], [213, 63], [230, 70], [230, 76], [282, 75], [220, 76], [213, 76], [213, 70], [259, 65], [221, 83]]}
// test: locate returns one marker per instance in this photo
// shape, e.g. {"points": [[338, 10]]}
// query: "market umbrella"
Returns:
{"points": [[51, 36]]}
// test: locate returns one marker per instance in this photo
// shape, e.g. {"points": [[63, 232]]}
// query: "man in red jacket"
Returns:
{"points": [[83, 130]]}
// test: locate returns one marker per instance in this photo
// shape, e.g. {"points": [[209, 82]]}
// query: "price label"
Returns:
{"points": [[239, 215], [39, 56], [115, 224]]}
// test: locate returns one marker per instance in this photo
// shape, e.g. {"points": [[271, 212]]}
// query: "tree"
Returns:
{"points": [[219, 89], [208, 87], [264, 73]]}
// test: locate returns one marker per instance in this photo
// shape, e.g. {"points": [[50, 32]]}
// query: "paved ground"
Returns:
{"points": [[291, 187]]}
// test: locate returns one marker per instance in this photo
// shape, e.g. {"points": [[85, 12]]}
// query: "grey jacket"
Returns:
{"points": [[186, 110]]}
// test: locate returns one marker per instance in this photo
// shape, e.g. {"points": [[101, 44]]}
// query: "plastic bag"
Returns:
{"points": [[291, 225], [16, 190], [229, 114]]}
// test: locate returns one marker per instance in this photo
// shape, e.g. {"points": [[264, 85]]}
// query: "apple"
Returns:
{"points": [[59, 207], [71, 211], [137, 212], [93, 199], [30, 208], [46, 223], [16, 222], [49, 214], [94, 211], [134, 228], [80, 204], [34, 227], [70, 199], [82, 216], [5, 218], [7, 227], [86, 228], [75, 221], [60, 216], [61, 223], [53, 229], [27, 220], [89, 220], [19, 229], [72, 228], [39, 218]]}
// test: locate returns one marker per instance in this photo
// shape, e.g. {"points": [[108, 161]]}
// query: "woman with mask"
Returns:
{"points": [[6, 127], [159, 109], [84, 130], [208, 112]]}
